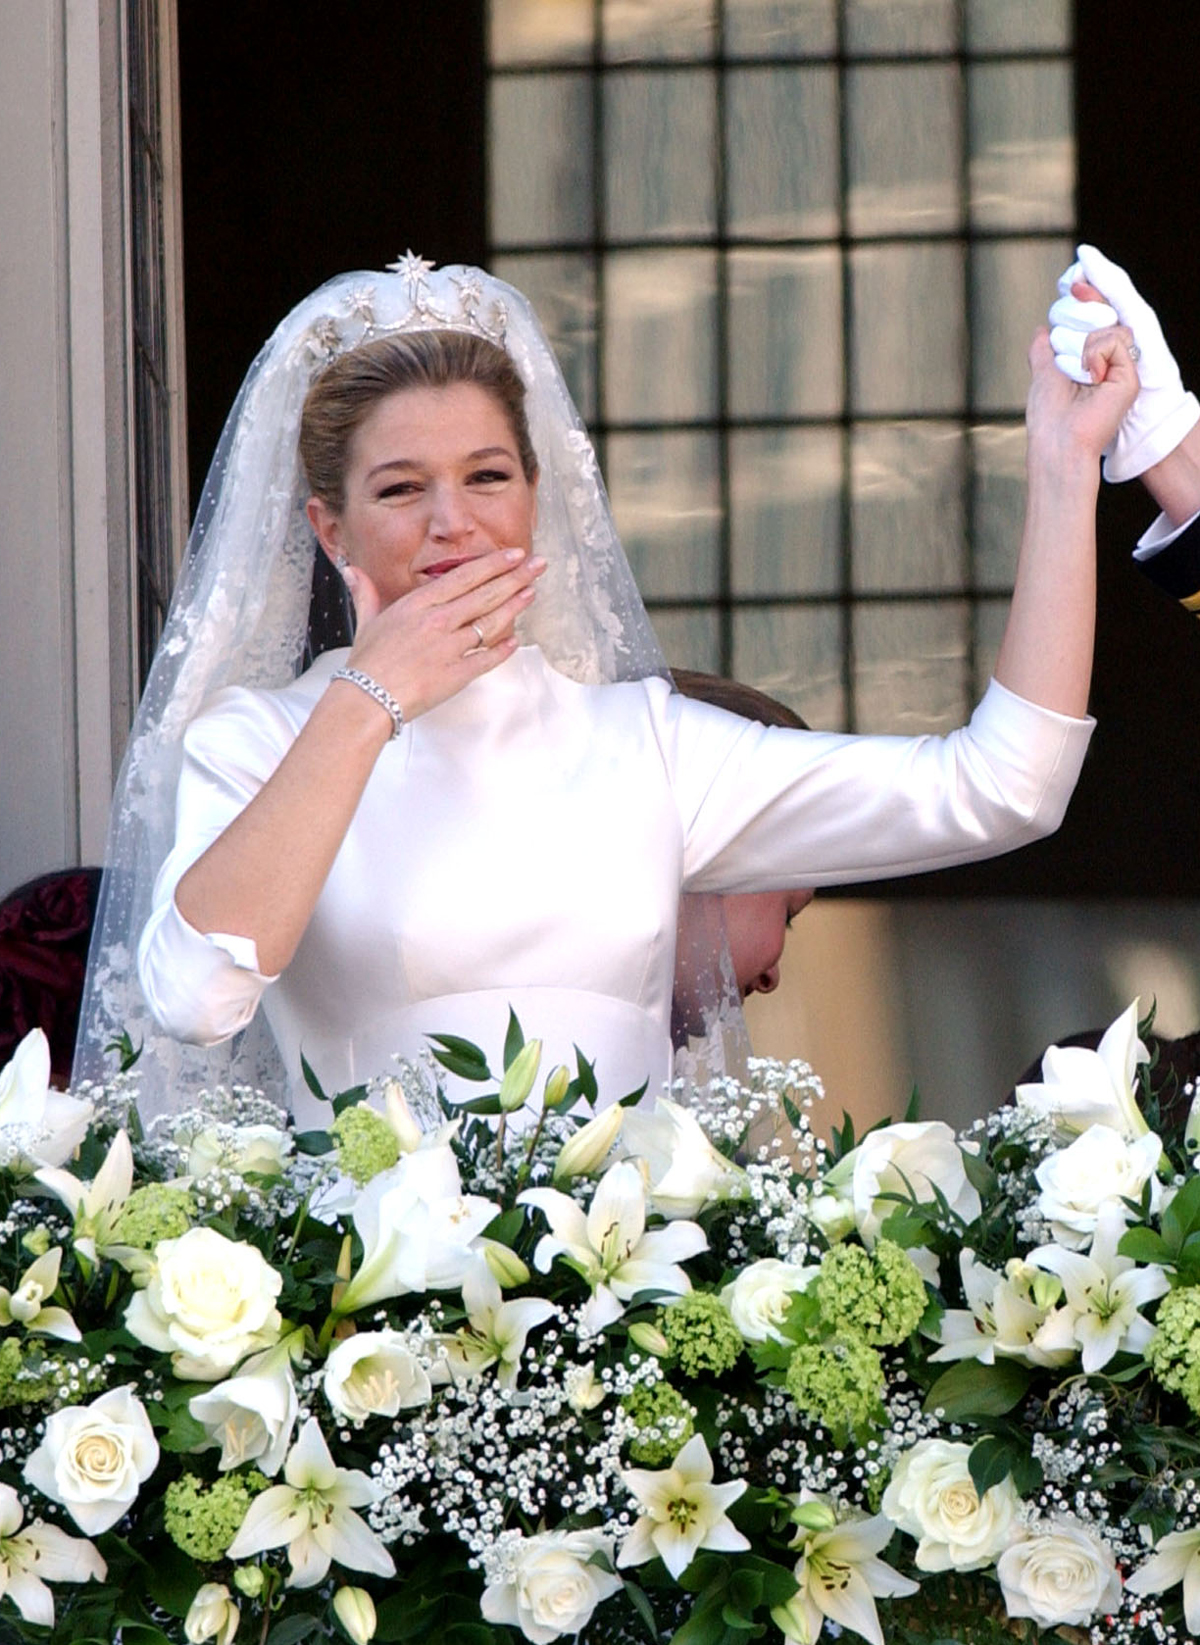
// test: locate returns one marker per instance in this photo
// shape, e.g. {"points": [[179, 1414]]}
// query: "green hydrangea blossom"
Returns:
{"points": [[203, 1520], [366, 1143], [838, 1383], [664, 1421], [152, 1213], [28, 1378], [877, 1295], [701, 1334], [1173, 1352]]}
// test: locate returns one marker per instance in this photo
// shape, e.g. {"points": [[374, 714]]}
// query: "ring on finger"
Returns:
{"points": [[1135, 353], [478, 632]]}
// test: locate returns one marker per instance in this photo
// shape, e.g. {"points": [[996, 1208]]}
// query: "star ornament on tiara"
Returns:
{"points": [[413, 269]]}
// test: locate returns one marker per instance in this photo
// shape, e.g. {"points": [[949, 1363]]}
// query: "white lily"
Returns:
{"points": [[39, 1554], [46, 1125], [251, 1415], [1176, 1558], [682, 1169], [1104, 1292], [375, 1373], [95, 1205], [1080, 1087], [1006, 1315], [610, 1247], [682, 1511], [313, 1516], [27, 1304], [496, 1330], [840, 1575], [418, 1229]]}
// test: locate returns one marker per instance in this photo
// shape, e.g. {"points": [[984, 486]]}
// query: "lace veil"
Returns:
{"points": [[240, 614]]}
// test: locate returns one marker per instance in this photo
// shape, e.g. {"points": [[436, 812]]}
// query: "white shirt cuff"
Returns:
{"points": [[1160, 535]]}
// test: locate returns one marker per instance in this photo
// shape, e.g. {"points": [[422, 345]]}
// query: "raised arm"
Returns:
{"points": [[1046, 653]]}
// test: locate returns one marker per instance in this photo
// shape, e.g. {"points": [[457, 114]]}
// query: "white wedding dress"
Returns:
{"points": [[525, 845]]}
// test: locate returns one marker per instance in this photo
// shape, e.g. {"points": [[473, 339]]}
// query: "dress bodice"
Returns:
{"points": [[525, 844]]}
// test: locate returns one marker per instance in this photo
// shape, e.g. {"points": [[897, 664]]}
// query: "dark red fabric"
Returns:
{"points": [[45, 928]]}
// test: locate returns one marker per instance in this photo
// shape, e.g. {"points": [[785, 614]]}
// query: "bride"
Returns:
{"points": [[494, 798]]}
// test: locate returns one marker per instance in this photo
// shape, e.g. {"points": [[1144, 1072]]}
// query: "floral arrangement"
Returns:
{"points": [[517, 1370]]}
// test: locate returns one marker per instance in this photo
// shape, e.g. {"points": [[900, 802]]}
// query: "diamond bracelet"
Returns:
{"points": [[380, 693]]}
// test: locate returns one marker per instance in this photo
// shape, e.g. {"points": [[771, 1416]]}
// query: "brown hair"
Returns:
{"points": [[745, 700], [351, 386]]}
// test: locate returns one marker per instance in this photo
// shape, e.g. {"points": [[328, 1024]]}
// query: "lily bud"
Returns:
{"points": [[585, 1152], [250, 1580], [355, 1610], [507, 1268], [833, 1215], [400, 1116], [556, 1088], [212, 1615], [519, 1076], [650, 1338], [584, 1389], [814, 1516], [1191, 1131]]}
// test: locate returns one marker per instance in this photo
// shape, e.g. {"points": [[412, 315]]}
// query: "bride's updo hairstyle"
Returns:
{"points": [[352, 385]]}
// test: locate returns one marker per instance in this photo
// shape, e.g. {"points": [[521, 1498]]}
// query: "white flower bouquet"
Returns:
{"points": [[511, 1371]]}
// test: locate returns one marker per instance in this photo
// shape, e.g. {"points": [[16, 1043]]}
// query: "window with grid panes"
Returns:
{"points": [[791, 253]]}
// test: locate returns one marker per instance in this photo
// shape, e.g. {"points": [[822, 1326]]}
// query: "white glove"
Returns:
{"points": [[1163, 411]]}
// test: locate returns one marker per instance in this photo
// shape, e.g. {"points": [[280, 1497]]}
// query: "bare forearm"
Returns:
{"points": [[1175, 482], [1046, 653], [261, 878]]}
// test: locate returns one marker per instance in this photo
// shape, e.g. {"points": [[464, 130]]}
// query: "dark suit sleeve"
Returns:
{"points": [[1176, 568]]}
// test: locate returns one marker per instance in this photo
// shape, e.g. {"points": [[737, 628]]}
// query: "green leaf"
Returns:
{"points": [[585, 1077], [514, 1039], [349, 1098], [705, 1626], [998, 1457], [637, 1598], [969, 1390], [460, 1057], [632, 1098], [312, 1142], [1144, 1245], [293, 1630], [478, 1105], [1182, 1216], [311, 1080]]}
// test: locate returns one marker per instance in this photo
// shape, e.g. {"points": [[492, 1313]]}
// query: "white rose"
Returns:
{"points": [[94, 1458], [759, 1297], [375, 1373], [262, 1149], [210, 1302], [1063, 1574], [932, 1496], [909, 1159], [212, 1615], [45, 1126], [1098, 1166], [550, 1588]]}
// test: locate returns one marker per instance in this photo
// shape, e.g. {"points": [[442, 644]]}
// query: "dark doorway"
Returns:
{"points": [[316, 138]]}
